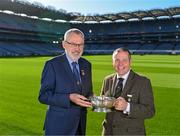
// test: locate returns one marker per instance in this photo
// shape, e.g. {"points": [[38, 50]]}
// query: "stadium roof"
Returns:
{"points": [[136, 15], [23, 7]]}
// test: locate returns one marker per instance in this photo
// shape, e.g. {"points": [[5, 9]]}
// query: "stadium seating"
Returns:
{"points": [[25, 36]]}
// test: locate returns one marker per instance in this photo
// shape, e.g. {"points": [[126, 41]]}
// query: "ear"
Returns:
{"points": [[130, 61], [63, 44]]}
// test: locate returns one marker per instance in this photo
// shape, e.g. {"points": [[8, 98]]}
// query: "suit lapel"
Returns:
{"points": [[83, 74], [128, 85], [113, 84], [67, 68], [81, 70]]}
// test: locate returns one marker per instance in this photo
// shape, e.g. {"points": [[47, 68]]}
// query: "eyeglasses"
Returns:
{"points": [[75, 45]]}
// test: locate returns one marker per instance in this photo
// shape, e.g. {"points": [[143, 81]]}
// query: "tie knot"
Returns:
{"points": [[120, 79], [74, 64]]}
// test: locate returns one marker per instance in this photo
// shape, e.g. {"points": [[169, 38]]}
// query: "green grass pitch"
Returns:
{"points": [[22, 114]]}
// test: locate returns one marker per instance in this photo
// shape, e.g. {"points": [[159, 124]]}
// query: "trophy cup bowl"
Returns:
{"points": [[102, 103]]}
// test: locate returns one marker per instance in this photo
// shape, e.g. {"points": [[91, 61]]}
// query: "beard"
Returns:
{"points": [[75, 55]]}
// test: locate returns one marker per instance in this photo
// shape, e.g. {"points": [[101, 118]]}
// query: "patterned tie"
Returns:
{"points": [[118, 88], [76, 73]]}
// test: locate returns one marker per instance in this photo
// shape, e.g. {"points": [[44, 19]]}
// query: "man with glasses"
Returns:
{"points": [[65, 86]]}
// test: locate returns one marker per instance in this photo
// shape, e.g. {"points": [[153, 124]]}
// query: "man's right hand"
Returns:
{"points": [[80, 100]]}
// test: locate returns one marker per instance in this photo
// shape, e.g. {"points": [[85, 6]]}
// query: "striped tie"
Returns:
{"points": [[118, 88]]}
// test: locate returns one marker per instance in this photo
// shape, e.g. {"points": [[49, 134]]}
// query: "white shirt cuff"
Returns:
{"points": [[127, 110]]}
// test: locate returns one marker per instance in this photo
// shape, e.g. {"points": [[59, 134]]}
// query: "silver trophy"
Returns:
{"points": [[102, 103]]}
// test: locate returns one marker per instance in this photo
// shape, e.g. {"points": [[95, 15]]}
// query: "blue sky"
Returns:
{"points": [[108, 6]]}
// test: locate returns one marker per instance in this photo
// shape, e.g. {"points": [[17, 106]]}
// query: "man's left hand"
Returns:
{"points": [[120, 104]]}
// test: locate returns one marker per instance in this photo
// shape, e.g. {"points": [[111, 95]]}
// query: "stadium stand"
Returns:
{"points": [[143, 32], [144, 36]]}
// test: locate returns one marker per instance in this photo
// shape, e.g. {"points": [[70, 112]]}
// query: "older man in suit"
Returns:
{"points": [[134, 102], [66, 83]]}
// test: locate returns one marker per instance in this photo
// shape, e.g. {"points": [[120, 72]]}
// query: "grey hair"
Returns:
{"points": [[122, 49], [73, 30]]}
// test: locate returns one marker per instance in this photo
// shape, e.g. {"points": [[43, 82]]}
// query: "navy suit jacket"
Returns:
{"points": [[63, 116]]}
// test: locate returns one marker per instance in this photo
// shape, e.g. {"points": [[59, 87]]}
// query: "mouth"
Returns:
{"points": [[121, 68], [76, 53]]}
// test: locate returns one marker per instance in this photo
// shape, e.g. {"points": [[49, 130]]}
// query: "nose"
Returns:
{"points": [[120, 63], [77, 47]]}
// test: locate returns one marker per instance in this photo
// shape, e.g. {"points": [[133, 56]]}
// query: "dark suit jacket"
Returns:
{"points": [[63, 117], [141, 106]]}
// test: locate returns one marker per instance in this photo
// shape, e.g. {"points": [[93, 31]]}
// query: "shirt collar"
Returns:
{"points": [[70, 61], [68, 58], [125, 76]]}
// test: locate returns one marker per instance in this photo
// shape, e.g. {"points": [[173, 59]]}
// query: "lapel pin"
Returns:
{"points": [[82, 72], [129, 97]]}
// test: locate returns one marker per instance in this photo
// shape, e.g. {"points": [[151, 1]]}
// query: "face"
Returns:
{"points": [[122, 63], [74, 45]]}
